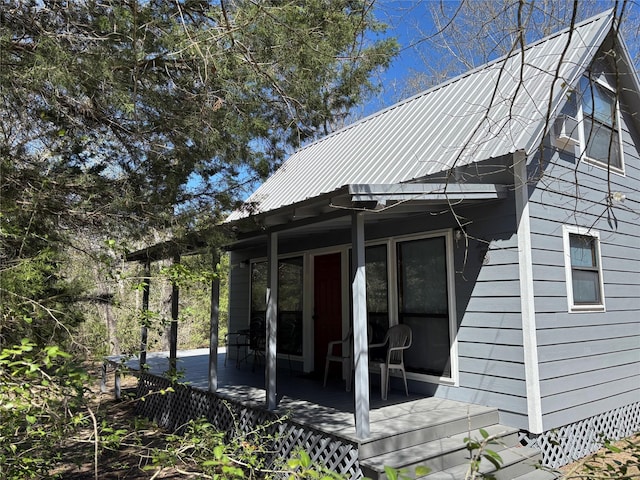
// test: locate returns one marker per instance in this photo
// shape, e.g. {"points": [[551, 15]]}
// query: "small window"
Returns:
{"points": [[600, 124], [583, 269]]}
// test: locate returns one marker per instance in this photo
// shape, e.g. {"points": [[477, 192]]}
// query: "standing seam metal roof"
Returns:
{"points": [[485, 113]]}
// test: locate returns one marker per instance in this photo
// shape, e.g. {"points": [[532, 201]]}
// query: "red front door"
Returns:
{"points": [[327, 295]]}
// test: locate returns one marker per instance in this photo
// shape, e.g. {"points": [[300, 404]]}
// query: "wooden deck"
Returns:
{"points": [[404, 431]]}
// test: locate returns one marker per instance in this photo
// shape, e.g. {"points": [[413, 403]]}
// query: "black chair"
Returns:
{"points": [[238, 340], [257, 339]]}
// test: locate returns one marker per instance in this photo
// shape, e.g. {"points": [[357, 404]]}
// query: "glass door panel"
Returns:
{"points": [[423, 304]]}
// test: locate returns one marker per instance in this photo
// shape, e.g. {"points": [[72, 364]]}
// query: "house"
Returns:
{"points": [[496, 214]]}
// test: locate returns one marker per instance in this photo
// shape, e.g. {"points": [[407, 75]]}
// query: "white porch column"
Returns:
{"points": [[214, 323], [527, 296], [360, 340], [144, 333], [272, 319], [173, 326]]}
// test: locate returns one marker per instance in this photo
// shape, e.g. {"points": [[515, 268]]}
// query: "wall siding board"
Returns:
{"points": [[566, 367], [493, 320], [489, 305], [497, 272], [588, 379], [508, 353], [490, 336], [494, 384], [508, 403], [546, 288], [592, 393], [581, 334], [549, 353], [584, 319], [579, 412], [491, 367]]}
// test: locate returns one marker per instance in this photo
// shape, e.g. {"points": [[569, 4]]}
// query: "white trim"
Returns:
{"points": [[454, 379], [527, 295], [576, 230], [453, 314]]}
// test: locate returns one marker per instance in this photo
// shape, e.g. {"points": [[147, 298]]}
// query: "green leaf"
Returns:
{"points": [[218, 451], [392, 473], [305, 459], [422, 470]]}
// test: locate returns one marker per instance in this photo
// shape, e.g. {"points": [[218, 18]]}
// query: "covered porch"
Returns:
{"points": [[325, 243]]}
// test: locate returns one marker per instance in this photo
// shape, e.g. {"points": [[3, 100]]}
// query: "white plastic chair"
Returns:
{"points": [[397, 340], [345, 354]]}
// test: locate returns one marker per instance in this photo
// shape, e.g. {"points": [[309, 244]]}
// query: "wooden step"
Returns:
{"points": [[516, 462], [422, 427], [540, 474], [437, 454]]}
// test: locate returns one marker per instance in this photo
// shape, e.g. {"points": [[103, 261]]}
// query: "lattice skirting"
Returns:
{"points": [[172, 410], [577, 440]]}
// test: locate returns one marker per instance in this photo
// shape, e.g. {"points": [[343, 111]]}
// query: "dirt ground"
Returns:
{"points": [[131, 461]]}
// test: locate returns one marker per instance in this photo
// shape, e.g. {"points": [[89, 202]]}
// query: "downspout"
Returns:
{"points": [[527, 297]]}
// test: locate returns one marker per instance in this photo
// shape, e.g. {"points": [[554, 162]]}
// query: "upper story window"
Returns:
{"points": [[591, 119], [600, 124], [583, 269]]}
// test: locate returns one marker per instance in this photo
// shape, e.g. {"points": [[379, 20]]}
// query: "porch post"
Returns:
{"points": [[145, 313], [360, 340], [214, 322], [272, 319], [173, 328]]}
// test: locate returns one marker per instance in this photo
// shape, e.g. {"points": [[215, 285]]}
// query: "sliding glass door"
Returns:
{"points": [[423, 303]]}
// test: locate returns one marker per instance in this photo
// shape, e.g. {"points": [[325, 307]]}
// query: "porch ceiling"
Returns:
{"points": [[380, 202]]}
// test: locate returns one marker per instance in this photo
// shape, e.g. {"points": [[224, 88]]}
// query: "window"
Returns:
{"points": [[377, 291], [600, 124], [583, 269], [423, 304], [290, 271]]}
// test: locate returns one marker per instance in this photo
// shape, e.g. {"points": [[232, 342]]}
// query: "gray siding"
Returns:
{"points": [[490, 352], [589, 363]]}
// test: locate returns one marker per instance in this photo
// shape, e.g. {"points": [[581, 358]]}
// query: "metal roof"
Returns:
{"points": [[494, 110]]}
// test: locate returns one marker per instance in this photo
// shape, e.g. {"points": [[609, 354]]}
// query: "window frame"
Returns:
{"points": [[573, 307], [594, 83]]}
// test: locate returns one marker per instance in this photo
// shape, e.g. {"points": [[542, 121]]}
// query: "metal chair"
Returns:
{"points": [[257, 339], [237, 340], [339, 357], [397, 340]]}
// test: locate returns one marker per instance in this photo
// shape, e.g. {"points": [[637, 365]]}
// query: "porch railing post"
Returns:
{"points": [[214, 322], [272, 320], [145, 313], [360, 340], [173, 328]]}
